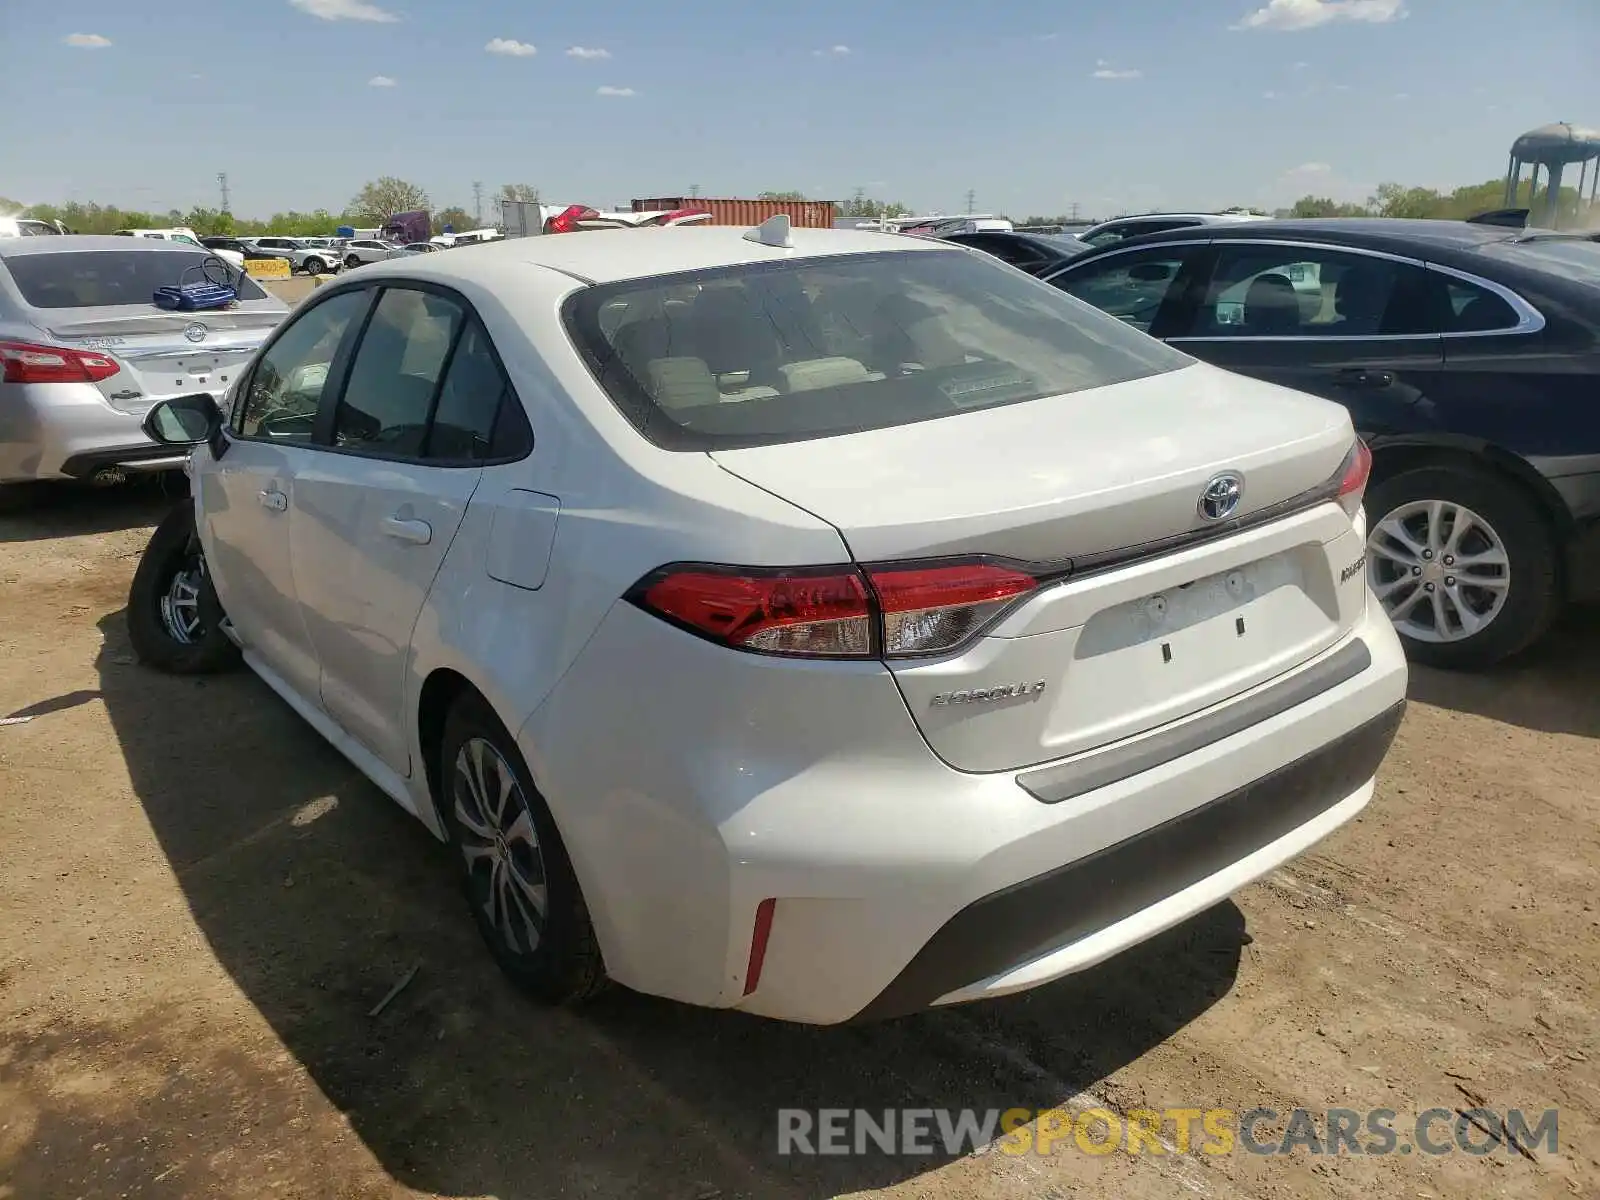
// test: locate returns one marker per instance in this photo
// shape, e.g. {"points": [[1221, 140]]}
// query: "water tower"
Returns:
{"points": [[1555, 148]]}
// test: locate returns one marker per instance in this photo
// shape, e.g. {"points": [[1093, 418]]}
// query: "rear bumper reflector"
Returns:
{"points": [[758, 943]]}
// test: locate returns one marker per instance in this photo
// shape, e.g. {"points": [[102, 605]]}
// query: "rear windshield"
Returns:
{"points": [[1571, 258], [101, 278], [779, 352]]}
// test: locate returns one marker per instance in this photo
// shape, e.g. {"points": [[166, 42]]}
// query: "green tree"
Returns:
{"points": [[781, 196], [455, 216], [520, 192], [1323, 206], [382, 198]]}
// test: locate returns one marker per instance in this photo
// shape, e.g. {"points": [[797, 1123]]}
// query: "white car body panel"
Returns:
{"points": [[692, 781]]}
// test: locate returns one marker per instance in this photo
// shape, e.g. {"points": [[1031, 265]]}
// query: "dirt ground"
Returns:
{"points": [[200, 903]]}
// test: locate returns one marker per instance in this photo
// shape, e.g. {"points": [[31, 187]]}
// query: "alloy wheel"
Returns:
{"points": [[180, 604], [1439, 569], [505, 867]]}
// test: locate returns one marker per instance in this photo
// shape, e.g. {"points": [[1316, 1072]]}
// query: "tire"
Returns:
{"points": [[351, 262], [159, 604], [562, 965], [315, 266], [1527, 561]]}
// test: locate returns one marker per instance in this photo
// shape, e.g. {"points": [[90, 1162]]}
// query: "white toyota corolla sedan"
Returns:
{"points": [[822, 624]]}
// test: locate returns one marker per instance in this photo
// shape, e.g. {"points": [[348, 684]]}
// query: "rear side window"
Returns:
{"points": [[100, 278], [477, 416], [777, 352]]}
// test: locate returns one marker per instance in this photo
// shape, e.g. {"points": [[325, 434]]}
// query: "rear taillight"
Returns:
{"points": [[25, 362], [930, 609], [892, 611], [1353, 475], [566, 221]]}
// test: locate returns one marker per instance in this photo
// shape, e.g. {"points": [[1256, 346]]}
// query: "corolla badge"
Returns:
{"points": [[195, 332], [1221, 496]]}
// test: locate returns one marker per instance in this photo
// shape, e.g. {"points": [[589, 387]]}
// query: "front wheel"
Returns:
{"points": [[351, 262], [1463, 562], [315, 266], [175, 622], [514, 868]]}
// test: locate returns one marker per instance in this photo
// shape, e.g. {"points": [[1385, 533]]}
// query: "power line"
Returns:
{"points": [[222, 180]]}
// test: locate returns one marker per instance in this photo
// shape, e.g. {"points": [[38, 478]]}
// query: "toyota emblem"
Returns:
{"points": [[195, 332], [1221, 496]]}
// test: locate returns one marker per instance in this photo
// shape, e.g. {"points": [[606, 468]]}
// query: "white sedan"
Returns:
{"points": [[814, 623]]}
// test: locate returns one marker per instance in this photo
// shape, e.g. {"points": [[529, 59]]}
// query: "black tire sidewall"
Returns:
{"points": [[1530, 545], [315, 270], [565, 965], [170, 547]]}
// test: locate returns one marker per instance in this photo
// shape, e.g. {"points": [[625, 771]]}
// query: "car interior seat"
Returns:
{"points": [[1271, 306]]}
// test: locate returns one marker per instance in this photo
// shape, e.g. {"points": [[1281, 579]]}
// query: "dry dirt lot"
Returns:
{"points": [[200, 903]]}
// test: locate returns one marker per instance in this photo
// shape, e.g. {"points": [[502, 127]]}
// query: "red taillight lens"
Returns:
{"points": [[566, 221], [930, 609], [813, 614], [1353, 476], [895, 611], [25, 362]]}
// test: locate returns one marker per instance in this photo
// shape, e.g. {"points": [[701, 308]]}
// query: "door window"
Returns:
{"points": [[1131, 287], [285, 388], [477, 416], [1438, 303], [396, 371], [1298, 291]]}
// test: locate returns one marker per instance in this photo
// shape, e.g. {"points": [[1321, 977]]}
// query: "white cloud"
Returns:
{"points": [[1402, 95], [587, 52], [614, 91], [1104, 70], [87, 41], [1301, 66], [382, 81], [512, 47], [1288, 15], [345, 10], [1269, 95], [838, 51], [1310, 168]]}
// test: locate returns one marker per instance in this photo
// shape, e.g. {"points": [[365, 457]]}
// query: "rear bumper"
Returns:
{"points": [[66, 431], [1018, 931], [690, 794]]}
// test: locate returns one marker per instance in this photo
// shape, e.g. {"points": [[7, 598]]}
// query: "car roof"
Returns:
{"points": [[610, 255], [1376, 232], [85, 242]]}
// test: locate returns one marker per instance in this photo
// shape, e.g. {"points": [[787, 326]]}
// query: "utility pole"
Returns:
{"points": [[477, 203], [694, 191], [1074, 210], [971, 197], [222, 180]]}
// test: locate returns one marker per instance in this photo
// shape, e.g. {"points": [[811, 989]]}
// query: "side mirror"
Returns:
{"points": [[184, 420]]}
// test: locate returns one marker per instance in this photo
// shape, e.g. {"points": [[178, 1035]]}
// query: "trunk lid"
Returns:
{"points": [[1073, 480], [164, 354]]}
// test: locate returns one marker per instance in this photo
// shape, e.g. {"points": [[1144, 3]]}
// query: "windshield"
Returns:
{"points": [[100, 278], [776, 352], [1572, 258]]}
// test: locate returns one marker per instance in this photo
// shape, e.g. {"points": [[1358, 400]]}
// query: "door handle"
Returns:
{"points": [[418, 533], [274, 500], [1360, 377]]}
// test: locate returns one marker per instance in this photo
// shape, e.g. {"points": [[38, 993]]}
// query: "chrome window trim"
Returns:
{"points": [[1529, 319]]}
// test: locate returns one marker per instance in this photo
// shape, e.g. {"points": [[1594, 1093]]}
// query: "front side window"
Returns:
{"points": [[1297, 291], [396, 370], [101, 278], [1131, 286], [763, 353], [284, 391]]}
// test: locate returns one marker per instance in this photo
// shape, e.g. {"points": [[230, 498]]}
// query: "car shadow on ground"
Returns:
{"points": [[1554, 686], [32, 513], [317, 895]]}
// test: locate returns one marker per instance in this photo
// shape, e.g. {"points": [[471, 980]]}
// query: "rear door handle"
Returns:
{"points": [[418, 533], [274, 500], [1360, 377]]}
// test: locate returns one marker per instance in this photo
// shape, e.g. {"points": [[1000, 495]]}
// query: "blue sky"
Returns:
{"points": [[1130, 105]]}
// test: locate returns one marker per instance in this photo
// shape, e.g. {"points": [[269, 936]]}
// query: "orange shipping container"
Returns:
{"points": [[807, 214]]}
